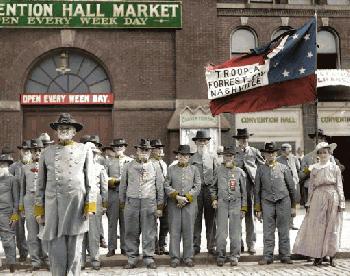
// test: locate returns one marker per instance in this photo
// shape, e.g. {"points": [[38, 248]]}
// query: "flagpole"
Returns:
{"points": [[316, 100]]}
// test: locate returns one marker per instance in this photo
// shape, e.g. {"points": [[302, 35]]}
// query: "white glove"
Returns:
{"points": [[181, 200], [214, 204], [159, 213]]}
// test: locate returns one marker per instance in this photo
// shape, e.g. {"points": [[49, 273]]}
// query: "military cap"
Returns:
{"points": [[156, 143], [144, 144], [184, 150], [118, 142], [67, 120], [270, 147], [6, 158]]}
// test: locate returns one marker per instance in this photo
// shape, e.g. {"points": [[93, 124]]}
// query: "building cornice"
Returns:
{"points": [[271, 10]]}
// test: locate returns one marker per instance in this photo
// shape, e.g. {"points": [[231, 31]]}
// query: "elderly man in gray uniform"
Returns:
{"points": [[292, 162], [63, 196], [182, 185], [229, 195], [205, 162], [141, 192], [29, 180], [91, 240], [115, 166], [248, 159], [157, 154], [9, 202], [275, 204], [16, 170]]}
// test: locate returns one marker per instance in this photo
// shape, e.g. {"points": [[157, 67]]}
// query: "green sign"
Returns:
{"points": [[90, 14]]}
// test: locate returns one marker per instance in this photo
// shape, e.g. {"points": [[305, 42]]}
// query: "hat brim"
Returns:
{"points": [[48, 142], [119, 145], [269, 151], [77, 126], [205, 138], [242, 136], [142, 147], [183, 153], [332, 147], [8, 161], [228, 153]]}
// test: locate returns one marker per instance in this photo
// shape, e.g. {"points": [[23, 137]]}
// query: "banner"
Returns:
{"points": [[333, 77], [90, 14], [66, 99]]}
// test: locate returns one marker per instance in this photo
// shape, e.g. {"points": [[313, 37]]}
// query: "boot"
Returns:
{"points": [[110, 253], [332, 261], [12, 268], [318, 261]]}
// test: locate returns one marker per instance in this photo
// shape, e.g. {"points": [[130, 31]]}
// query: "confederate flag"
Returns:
{"points": [[281, 73]]}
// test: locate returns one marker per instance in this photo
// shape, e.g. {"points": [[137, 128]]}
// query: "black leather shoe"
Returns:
{"points": [[22, 259], [152, 265], [189, 263], [110, 253], [174, 264], [332, 261], [251, 250], [123, 252], [234, 262], [96, 267], [317, 262], [286, 261], [220, 263], [12, 268], [265, 262], [129, 266]]}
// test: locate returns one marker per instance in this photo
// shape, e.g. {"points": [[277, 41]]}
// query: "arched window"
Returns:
{"points": [[242, 40], [82, 74], [279, 31], [328, 49]]}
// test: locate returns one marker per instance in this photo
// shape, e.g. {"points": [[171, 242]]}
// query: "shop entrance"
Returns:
{"points": [[342, 154], [96, 121]]}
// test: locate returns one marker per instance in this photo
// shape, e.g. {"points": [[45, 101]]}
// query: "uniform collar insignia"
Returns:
{"points": [[231, 166], [272, 165], [66, 143], [182, 165]]}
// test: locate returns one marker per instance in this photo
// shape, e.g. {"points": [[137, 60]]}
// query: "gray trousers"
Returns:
{"points": [[37, 253], [181, 225], [276, 214], [7, 236], [91, 241], [139, 216], [228, 222], [21, 241], [65, 255], [249, 216], [204, 206], [115, 216]]}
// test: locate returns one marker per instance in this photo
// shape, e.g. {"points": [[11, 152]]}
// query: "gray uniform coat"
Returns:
{"points": [[183, 181], [63, 190], [292, 162]]}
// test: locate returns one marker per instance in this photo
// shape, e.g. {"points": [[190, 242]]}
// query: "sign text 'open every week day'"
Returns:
{"points": [[62, 99], [90, 14]]}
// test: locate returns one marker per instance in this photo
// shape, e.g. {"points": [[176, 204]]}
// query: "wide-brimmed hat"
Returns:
{"points": [[25, 145], [95, 139], [6, 158], [46, 139], [157, 143], [242, 133], [201, 134], [323, 145], [144, 144], [184, 150], [84, 138], [229, 150], [270, 147], [67, 120], [36, 144], [118, 142], [320, 134]]}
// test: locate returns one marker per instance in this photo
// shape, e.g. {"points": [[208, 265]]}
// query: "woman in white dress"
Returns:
{"points": [[319, 233]]}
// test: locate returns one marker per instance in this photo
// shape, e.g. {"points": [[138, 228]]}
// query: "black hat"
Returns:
{"points": [[25, 145], [270, 147], [320, 134], [118, 142], [156, 143], [183, 149], [84, 138], [95, 139], [6, 150], [6, 158], [66, 119], [36, 144], [242, 133], [229, 150], [46, 139], [144, 144], [201, 134]]}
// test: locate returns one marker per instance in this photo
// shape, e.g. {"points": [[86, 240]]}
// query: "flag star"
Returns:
{"points": [[295, 36], [276, 64], [302, 70], [310, 55], [285, 73], [307, 37]]}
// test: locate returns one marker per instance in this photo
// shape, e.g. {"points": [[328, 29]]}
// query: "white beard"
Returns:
{"points": [[202, 149], [66, 135], [119, 152], [27, 158], [144, 157]]}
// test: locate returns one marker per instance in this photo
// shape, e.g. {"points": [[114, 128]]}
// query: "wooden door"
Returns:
{"points": [[96, 121]]}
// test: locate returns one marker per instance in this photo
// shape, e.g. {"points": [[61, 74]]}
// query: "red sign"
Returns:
{"points": [[67, 99]]}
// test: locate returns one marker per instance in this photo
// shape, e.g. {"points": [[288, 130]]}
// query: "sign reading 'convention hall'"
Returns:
{"points": [[90, 14]]}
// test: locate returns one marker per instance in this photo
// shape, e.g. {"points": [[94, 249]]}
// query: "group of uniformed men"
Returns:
{"points": [[62, 190]]}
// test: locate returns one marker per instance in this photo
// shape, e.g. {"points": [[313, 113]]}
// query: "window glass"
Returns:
{"points": [[242, 40]]}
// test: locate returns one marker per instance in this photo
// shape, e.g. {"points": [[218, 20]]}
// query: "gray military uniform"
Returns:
{"points": [[29, 180], [205, 165], [114, 168], [248, 160], [62, 194], [92, 237], [141, 190], [16, 170], [183, 181], [9, 202], [274, 196], [230, 203]]}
